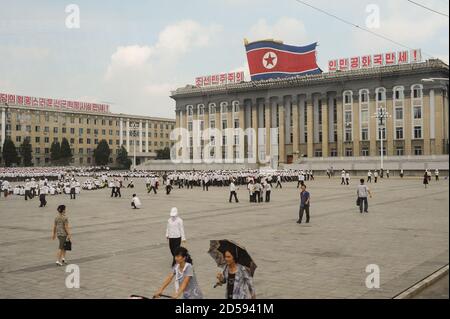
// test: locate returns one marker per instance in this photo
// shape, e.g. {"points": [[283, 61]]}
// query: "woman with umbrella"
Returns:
{"points": [[186, 285], [238, 271]]}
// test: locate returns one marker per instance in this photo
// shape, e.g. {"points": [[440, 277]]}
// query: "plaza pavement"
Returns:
{"points": [[121, 251]]}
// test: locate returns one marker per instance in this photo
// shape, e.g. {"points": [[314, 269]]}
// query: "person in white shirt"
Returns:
{"points": [[43, 191], [5, 188], [136, 202], [369, 177], [347, 178], [73, 185], [233, 192], [343, 177], [175, 232], [436, 174], [375, 175], [27, 189], [363, 192], [268, 190], [152, 185]]}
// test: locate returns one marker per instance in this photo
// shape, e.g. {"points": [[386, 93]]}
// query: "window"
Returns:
{"points": [[417, 91], [88, 141], [333, 152], [348, 152], [46, 150], [348, 116], [103, 132], [364, 116], [80, 151], [46, 140], [18, 127], [72, 120], [88, 131], [55, 139], [365, 152], [95, 131], [46, 129], [399, 133], [384, 151], [417, 150], [80, 131], [72, 131], [72, 141], [64, 130], [399, 113], [399, 151], [96, 141], [364, 134], [364, 96], [417, 132], [348, 134], [382, 133], [80, 141], [104, 122], [417, 112], [37, 139], [18, 138], [28, 128], [55, 130], [318, 153], [37, 129], [347, 97]]}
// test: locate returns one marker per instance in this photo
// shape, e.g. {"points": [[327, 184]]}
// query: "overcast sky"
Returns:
{"points": [[131, 54]]}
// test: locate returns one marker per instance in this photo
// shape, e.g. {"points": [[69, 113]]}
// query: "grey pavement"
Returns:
{"points": [[121, 251]]}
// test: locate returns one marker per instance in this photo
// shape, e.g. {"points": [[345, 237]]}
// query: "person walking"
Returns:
{"points": [[401, 173], [27, 189], [152, 185], [425, 179], [305, 199], [237, 278], [369, 177], [118, 185], [375, 175], [436, 174], [387, 173], [72, 189], [175, 232], [268, 190], [61, 230], [43, 191], [343, 177], [136, 202], [279, 182], [186, 285], [233, 192], [347, 178], [362, 192]]}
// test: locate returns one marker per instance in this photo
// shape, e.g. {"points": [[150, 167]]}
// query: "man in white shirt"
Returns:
{"points": [[175, 232], [369, 177], [233, 192], [152, 185], [43, 191], [436, 174], [136, 202], [363, 192], [27, 189]]}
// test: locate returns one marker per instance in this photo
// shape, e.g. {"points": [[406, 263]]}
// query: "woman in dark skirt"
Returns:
{"points": [[425, 179]]}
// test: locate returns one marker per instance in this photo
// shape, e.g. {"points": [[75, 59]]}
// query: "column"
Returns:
{"points": [[301, 111], [407, 127], [196, 156], [147, 148], [390, 127], [373, 127], [439, 122], [230, 134], [205, 127], [281, 134], [268, 125], [310, 123], [295, 130], [140, 137], [254, 107], [356, 131], [3, 128], [340, 126], [127, 132], [325, 127], [426, 123], [241, 116], [331, 119]]}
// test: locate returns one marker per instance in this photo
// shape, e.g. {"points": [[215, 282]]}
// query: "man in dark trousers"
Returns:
{"points": [[305, 198], [233, 192]]}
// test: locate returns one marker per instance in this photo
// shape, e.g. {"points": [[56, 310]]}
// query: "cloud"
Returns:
{"points": [[288, 30], [140, 76]]}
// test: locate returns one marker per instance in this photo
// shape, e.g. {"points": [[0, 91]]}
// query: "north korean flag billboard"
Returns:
{"points": [[269, 59]]}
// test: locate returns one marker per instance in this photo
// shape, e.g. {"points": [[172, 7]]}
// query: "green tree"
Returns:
{"points": [[66, 152], [102, 153], [55, 152], [26, 152], [163, 154], [122, 158], [9, 152]]}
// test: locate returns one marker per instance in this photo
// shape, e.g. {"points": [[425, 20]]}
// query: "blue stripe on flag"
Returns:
{"points": [[274, 75], [279, 46]]}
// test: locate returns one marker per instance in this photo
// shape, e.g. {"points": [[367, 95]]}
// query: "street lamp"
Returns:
{"points": [[381, 115], [134, 129]]}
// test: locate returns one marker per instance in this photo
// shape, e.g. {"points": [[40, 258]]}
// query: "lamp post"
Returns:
{"points": [[134, 129], [382, 115]]}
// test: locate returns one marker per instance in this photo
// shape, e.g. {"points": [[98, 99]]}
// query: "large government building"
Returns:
{"points": [[84, 125], [329, 114]]}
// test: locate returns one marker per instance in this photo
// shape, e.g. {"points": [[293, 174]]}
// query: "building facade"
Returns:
{"points": [[84, 130], [328, 115]]}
